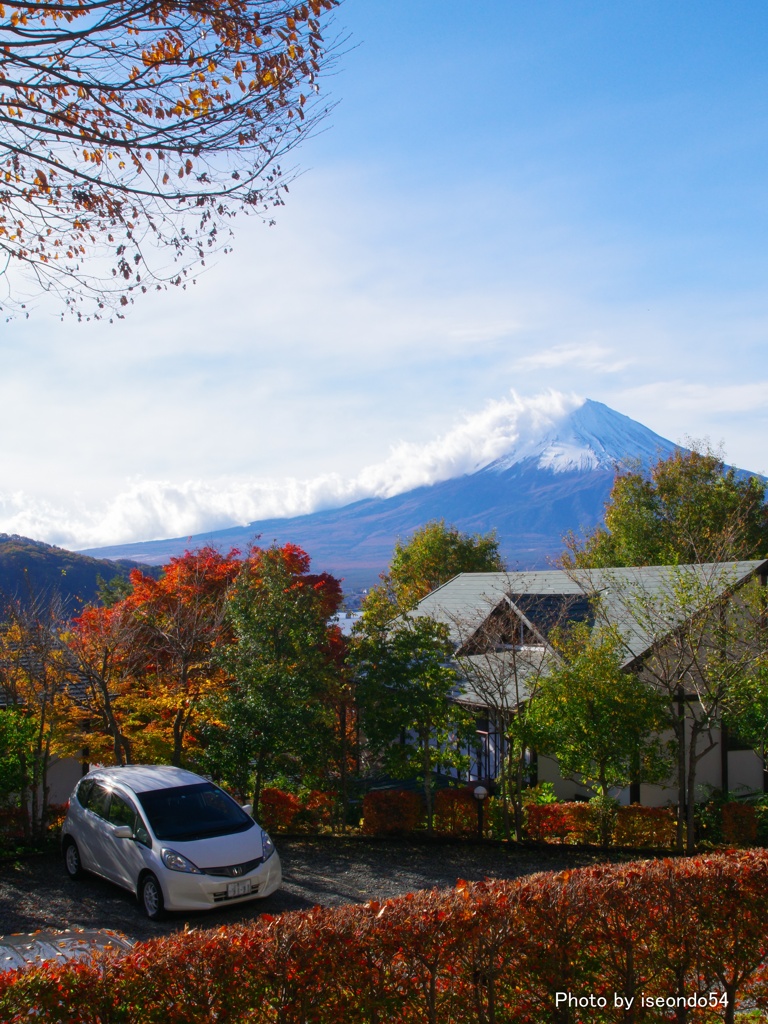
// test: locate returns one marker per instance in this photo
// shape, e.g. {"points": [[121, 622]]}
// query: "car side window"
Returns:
{"points": [[98, 800], [84, 792], [122, 812]]}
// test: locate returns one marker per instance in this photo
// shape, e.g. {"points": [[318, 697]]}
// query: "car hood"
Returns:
{"points": [[219, 851]]}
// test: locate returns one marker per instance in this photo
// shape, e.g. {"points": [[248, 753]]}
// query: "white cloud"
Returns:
{"points": [[475, 442], [717, 398], [734, 415], [588, 357], [160, 508]]}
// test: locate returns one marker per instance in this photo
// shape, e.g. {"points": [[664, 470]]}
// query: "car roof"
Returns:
{"points": [[142, 778]]}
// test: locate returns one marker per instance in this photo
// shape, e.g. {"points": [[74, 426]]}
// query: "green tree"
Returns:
{"points": [[112, 591], [34, 679], [599, 720], [274, 716], [688, 509], [691, 512], [700, 641], [746, 710], [404, 689], [434, 554], [746, 703], [17, 737]]}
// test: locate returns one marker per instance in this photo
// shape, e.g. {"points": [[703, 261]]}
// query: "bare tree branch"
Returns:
{"points": [[132, 132]]}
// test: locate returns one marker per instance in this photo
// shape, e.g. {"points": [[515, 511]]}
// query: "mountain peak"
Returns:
{"points": [[590, 437], [553, 473]]}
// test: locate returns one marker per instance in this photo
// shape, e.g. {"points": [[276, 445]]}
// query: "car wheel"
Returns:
{"points": [[72, 860], [151, 897]]}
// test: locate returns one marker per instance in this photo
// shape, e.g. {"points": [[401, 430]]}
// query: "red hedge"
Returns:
{"points": [[392, 810], [635, 826], [277, 809], [280, 811], [638, 826], [564, 823], [483, 953], [320, 805], [739, 824], [455, 813]]}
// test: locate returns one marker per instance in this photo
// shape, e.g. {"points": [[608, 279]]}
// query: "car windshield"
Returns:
{"points": [[191, 812]]}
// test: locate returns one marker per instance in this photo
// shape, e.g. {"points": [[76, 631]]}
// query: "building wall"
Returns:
{"points": [[745, 776], [63, 774]]}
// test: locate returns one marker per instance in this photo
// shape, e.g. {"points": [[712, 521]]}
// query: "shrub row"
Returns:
{"points": [[392, 810], [634, 825], [562, 823], [385, 812], [682, 939], [281, 812], [455, 814], [739, 824]]}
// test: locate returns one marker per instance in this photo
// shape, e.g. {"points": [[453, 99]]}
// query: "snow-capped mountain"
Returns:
{"points": [[590, 438], [545, 485]]}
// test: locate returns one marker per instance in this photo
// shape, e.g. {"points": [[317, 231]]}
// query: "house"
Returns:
{"points": [[677, 623]]}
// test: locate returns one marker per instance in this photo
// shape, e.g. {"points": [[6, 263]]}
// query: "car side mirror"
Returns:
{"points": [[248, 808], [122, 832]]}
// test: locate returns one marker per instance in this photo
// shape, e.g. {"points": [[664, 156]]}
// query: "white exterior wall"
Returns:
{"points": [[63, 774], [565, 789], [745, 771], [745, 776]]}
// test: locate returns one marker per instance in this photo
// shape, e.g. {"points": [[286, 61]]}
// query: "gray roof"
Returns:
{"points": [[469, 598], [629, 597], [488, 679]]}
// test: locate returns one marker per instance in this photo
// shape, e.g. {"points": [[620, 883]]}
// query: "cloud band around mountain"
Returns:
{"points": [[151, 509]]}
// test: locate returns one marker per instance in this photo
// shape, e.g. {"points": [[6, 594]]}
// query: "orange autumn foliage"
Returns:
{"points": [[133, 132]]}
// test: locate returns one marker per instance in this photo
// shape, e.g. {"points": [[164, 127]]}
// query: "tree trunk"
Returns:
{"points": [[427, 783], [517, 800], [24, 795], [178, 738], [505, 797], [127, 750], [690, 846], [257, 784], [680, 726], [343, 766], [603, 815]]}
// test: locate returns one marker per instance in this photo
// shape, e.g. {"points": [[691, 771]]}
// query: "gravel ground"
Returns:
{"points": [[37, 894]]}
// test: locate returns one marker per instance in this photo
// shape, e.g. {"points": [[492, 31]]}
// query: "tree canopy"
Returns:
{"points": [[598, 720], [434, 554], [690, 508], [404, 686], [131, 131], [275, 714]]}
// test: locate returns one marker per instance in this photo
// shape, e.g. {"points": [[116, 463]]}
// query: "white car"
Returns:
{"points": [[175, 840]]}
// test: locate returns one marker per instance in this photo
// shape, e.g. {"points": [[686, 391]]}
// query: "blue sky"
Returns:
{"points": [[512, 204]]}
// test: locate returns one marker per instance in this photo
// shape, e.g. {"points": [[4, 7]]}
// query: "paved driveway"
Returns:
{"points": [[37, 894]]}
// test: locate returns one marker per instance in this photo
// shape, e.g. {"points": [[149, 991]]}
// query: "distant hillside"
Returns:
{"points": [[546, 485], [29, 567]]}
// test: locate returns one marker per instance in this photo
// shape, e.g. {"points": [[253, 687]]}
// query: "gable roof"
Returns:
{"points": [[465, 602]]}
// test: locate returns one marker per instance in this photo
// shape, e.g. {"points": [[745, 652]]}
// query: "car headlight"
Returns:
{"points": [[176, 862], [267, 846]]}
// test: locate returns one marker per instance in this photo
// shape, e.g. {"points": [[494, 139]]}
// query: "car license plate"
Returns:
{"points": [[238, 889]]}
